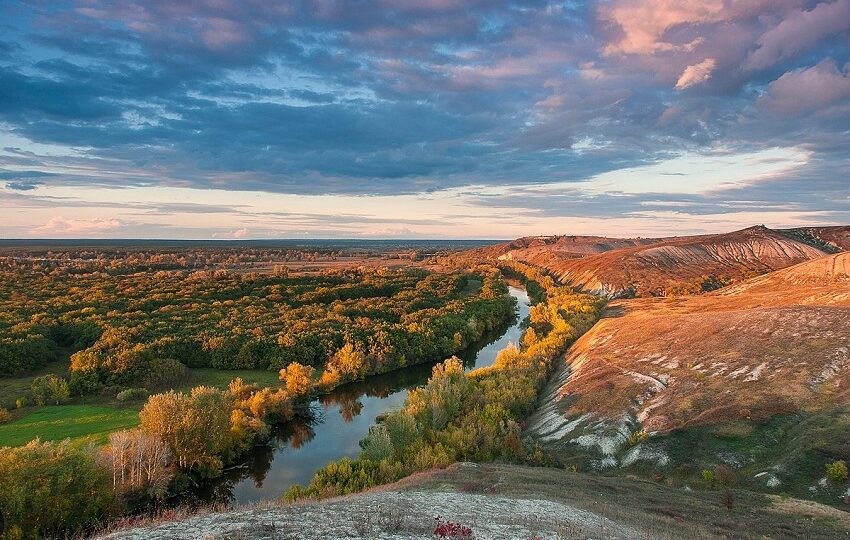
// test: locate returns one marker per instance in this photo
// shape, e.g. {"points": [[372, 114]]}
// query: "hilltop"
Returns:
{"points": [[498, 501], [616, 267]]}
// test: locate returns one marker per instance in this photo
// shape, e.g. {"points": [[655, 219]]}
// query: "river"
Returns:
{"points": [[342, 418]]}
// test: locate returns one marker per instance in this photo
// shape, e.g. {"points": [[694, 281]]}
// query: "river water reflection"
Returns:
{"points": [[342, 418]]}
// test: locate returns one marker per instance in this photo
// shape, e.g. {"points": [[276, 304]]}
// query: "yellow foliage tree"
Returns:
{"points": [[298, 379]]}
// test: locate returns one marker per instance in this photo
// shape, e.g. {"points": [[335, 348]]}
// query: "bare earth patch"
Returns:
{"points": [[393, 515]]}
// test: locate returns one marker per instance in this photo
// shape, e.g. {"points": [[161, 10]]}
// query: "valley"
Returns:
{"points": [[698, 407]]}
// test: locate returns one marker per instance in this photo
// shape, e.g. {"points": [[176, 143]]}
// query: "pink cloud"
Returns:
{"points": [[63, 226], [806, 90], [644, 22], [799, 30], [696, 74], [218, 33]]}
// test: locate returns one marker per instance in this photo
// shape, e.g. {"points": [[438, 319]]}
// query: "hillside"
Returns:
{"points": [[653, 267], [774, 345], [505, 501]]}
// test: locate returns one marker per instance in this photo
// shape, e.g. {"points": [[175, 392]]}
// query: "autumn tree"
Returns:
{"points": [[298, 379], [196, 426], [348, 362], [138, 462]]}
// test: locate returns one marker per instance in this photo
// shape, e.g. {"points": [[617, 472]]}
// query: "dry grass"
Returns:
{"points": [[657, 510]]}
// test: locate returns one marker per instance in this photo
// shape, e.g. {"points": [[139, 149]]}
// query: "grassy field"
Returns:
{"points": [[78, 422], [220, 379], [92, 418]]}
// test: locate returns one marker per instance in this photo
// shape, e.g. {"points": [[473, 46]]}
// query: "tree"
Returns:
{"points": [[138, 462], [196, 427], [164, 372], [298, 379], [50, 389], [50, 487], [348, 361]]}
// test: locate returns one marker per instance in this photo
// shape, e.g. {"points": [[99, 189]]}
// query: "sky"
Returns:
{"points": [[421, 118]]}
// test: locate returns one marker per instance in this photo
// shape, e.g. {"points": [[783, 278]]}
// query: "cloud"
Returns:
{"points": [[23, 180], [806, 90], [398, 98], [643, 23], [392, 232], [235, 234], [64, 226], [696, 74], [798, 31]]}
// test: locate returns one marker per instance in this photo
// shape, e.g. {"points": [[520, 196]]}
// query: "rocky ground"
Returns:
{"points": [[393, 515], [511, 502]]}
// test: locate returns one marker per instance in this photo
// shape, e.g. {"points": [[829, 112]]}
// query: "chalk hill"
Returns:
{"points": [[653, 267], [776, 344]]}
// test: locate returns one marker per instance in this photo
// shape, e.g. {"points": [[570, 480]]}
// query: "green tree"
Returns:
{"points": [[50, 487], [50, 389]]}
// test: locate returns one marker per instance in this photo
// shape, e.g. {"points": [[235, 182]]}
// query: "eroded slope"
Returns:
{"points": [[772, 345], [653, 267]]}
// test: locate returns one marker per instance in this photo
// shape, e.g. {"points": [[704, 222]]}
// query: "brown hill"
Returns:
{"points": [[654, 267], [776, 343]]}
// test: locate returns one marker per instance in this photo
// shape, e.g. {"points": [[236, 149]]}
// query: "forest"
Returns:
{"points": [[132, 335], [119, 326]]}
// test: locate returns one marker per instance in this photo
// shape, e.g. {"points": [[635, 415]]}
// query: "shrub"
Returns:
{"points": [[837, 471], [50, 487], [21, 402], [132, 394], [725, 476], [50, 389], [164, 373], [450, 529], [708, 476], [5, 416]]}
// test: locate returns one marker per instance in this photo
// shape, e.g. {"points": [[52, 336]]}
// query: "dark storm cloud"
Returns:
{"points": [[403, 96]]}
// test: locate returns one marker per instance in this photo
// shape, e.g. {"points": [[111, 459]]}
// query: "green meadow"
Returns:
{"points": [[86, 423]]}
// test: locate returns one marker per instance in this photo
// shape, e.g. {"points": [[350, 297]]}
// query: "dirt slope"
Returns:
{"points": [[777, 343], [650, 267]]}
